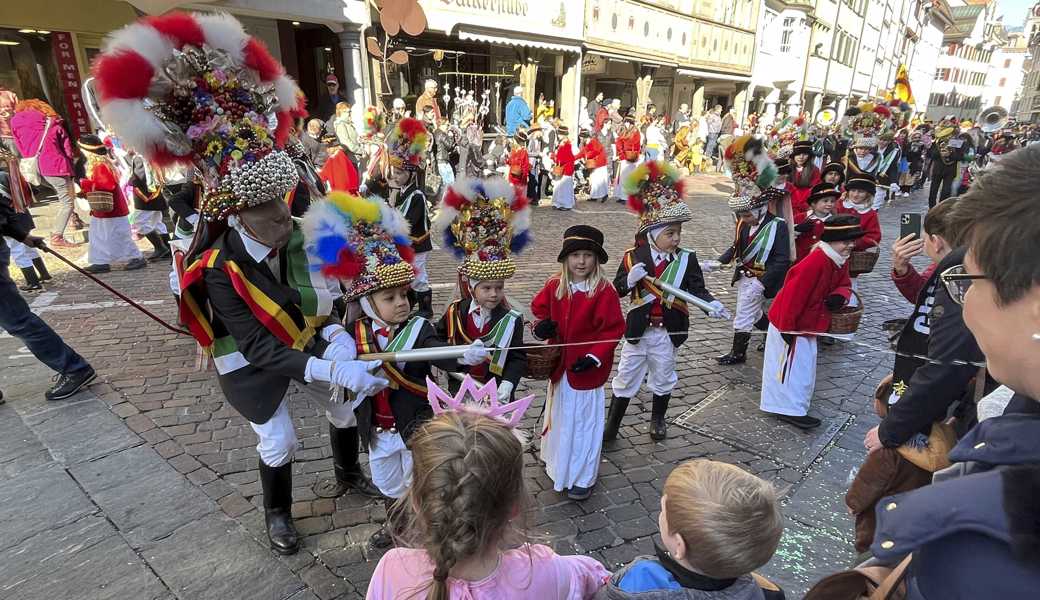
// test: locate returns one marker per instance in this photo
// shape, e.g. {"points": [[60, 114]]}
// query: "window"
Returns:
{"points": [[1007, 63], [787, 34], [1003, 80], [857, 6]]}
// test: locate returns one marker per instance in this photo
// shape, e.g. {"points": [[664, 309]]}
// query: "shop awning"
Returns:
{"points": [[711, 75], [475, 36], [627, 58]]}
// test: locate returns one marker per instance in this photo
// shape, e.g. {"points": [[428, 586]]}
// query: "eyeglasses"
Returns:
{"points": [[957, 282]]}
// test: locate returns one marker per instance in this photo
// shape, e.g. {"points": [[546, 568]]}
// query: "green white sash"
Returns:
{"points": [[499, 337], [673, 275], [761, 245], [406, 338], [315, 295], [226, 357]]}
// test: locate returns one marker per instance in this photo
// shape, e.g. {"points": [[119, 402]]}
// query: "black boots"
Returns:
{"points": [[425, 300], [762, 324], [162, 248], [618, 406], [658, 429], [277, 485], [32, 282], [738, 354], [41, 268], [349, 476]]}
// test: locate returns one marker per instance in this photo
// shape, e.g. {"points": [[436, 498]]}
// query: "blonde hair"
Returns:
{"points": [[468, 489], [596, 280], [729, 519], [342, 108]]}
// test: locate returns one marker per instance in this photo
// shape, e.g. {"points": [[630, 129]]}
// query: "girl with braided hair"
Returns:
{"points": [[467, 495]]}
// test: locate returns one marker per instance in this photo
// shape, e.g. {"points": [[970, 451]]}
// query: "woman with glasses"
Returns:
{"points": [[974, 532]]}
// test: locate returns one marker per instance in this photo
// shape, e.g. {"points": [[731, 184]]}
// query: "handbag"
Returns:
{"points": [[863, 583], [29, 166]]}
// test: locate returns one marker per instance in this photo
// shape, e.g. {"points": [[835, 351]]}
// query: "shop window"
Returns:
{"points": [[613, 22], [646, 29], [786, 35], [669, 34], [631, 23]]}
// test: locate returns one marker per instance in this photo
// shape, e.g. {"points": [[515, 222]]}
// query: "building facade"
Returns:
{"points": [[1028, 110], [1006, 72], [964, 62]]}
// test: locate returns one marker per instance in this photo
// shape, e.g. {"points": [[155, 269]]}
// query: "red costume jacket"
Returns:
{"points": [[339, 173], [799, 194], [799, 305], [594, 154], [519, 166], [868, 222], [580, 318], [102, 178], [564, 157], [627, 143], [804, 243]]}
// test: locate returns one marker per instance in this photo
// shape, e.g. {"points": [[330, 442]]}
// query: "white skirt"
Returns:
{"points": [[599, 182], [563, 192], [110, 241], [147, 221], [788, 375], [624, 168], [571, 448]]}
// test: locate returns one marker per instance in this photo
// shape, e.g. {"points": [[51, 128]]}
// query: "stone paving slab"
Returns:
{"points": [[20, 449], [80, 431]]}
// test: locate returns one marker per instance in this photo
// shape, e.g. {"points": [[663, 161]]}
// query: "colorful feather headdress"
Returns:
{"points": [[362, 240], [196, 89], [655, 193], [783, 136], [749, 165], [406, 144], [865, 121], [374, 122], [484, 222]]}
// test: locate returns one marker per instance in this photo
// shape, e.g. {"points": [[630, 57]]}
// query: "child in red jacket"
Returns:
{"points": [[595, 156], [110, 239], [577, 306], [563, 186], [804, 175], [813, 288], [809, 224], [859, 201]]}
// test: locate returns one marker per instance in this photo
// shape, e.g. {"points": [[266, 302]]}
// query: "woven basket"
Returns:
{"points": [[631, 155], [100, 201], [846, 319], [542, 361], [863, 261]]}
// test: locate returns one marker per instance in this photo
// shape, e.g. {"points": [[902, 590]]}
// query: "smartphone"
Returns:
{"points": [[910, 224]]}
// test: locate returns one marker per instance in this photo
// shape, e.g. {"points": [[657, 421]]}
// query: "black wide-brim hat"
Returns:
{"points": [[840, 228], [834, 167], [583, 237], [823, 190], [802, 147], [92, 144], [861, 181], [783, 166]]}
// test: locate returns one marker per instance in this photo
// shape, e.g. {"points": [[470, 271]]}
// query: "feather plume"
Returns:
{"points": [[138, 127], [520, 241], [224, 32], [179, 27], [393, 221], [258, 58], [143, 40]]}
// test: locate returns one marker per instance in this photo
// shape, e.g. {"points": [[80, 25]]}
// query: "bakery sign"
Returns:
{"points": [[498, 7], [561, 19]]}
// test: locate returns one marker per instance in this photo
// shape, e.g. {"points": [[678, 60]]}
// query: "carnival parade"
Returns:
{"points": [[463, 334]]}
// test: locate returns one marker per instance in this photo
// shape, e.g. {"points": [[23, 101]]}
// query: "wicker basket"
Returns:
{"points": [[846, 319], [542, 361], [863, 261], [631, 155], [100, 201]]}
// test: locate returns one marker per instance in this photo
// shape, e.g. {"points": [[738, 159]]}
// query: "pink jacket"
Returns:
{"points": [[57, 155]]}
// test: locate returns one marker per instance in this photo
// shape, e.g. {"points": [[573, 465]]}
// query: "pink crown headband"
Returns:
{"points": [[483, 401]]}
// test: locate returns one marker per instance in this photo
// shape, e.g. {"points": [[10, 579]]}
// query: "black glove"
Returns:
{"points": [[805, 226], [584, 364], [34, 242], [834, 302], [545, 329]]}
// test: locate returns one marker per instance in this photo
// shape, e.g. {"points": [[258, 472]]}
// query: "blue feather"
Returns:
{"points": [[520, 241], [327, 248], [402, 240]]}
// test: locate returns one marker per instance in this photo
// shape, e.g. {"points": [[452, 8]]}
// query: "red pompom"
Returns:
{"points": [[454, 199], [300, 110], [285, 123], [653, 170], [179, 26], [680, 187], [257, 57], [161, 157], [122, 75], [348, 266], [407, 253], [411, 127], [883, 111], [635, 203]]}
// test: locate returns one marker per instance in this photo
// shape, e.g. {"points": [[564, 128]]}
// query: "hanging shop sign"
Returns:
{"points": [[69, 80], [594, 64]]}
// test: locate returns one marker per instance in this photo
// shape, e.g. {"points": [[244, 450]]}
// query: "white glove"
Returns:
{"points": [[894, 187], [354, 375], [761, 286], [505, 390], [719, 311], [362, 189], [340, 352], [636, 274], [318, 370], [475, 354], [330, 333], [710, 266]]}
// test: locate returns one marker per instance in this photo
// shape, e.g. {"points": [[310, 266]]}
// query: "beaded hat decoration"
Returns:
{"points": [[863, 122], [783, 137], [360, 240], [749, 165], [484, 222], [745, 203], [406, 144], [655, 193], [196, 89]]}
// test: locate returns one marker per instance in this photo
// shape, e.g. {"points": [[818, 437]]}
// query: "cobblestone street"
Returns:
{"points": [[146, 486]]}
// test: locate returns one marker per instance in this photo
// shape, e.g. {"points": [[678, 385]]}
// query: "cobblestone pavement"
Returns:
{"points": [[148, 482]]}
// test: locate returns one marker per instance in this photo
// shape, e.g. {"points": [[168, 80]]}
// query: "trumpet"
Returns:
{"points": [[992, 119]]}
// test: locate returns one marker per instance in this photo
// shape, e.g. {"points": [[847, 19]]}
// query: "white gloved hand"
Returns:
{"points": [[193, 219], [894, 187], [475, 354], [318, 370], [505, 390], [329, 333], [719, 311], [710, 266], [636, 274], [354, 375], [362, 189], [340, 352]]}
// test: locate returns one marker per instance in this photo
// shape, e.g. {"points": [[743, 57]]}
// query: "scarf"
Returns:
{"points": [[832, 254]]}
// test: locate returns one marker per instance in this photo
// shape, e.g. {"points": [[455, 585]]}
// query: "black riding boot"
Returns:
{"points": [[277, 485], [349, 475], [762, 324], [738, 354], [41, 268], [658, 428], [32, 283], [162, 249], [425, 304], [618, 406]]}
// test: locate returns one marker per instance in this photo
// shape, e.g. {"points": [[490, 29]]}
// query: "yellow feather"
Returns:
{"points": [[359, 208]]}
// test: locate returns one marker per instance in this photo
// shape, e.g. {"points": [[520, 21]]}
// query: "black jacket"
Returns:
{"points": [[13, 224], [139, 181], [184, 203], [676, 321], [834, 148], [777, 263], [257, 389], [935, 385], [411, 201], [451, 327], [890, 174]]}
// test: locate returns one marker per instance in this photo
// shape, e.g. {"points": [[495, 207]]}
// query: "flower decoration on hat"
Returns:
{"points": [[406, 144], [749, 165], [783, 137], [374, 122], [484, 222], [865, 121], [362, 240], [655, 193], [196, 89]]}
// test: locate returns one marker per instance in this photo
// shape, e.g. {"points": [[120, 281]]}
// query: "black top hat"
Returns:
{"points": [[802, 147], [783, 166], [563, 130], [840, 228], [330, 138], [823, 190], [583, 237], [834, 167], [584, 133], [861, 181], [92, 144], [520, 137]]}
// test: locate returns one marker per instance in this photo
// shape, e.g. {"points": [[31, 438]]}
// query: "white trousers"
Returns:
{"points": [[624, 168], [421, 283], [563, 192], [391, 463], [110, 241], [147, 221], [599, 182], [21, 255], [880, 195], [653, 355], [788, 374], [278, 441], [571, 448], [750, 303]]}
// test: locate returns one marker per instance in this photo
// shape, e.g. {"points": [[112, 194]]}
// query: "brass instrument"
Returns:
{"points": [[826, 117], [992, 119]]}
